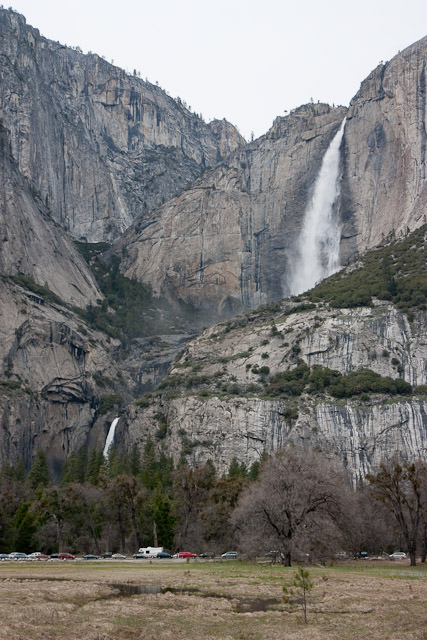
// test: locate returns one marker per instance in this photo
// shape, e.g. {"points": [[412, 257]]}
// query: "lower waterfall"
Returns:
{"points": [[319, 241], [110, 437]]}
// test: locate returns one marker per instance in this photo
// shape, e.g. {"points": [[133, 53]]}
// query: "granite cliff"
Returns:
{"points": [[384, 189], [98, 146], [47, 395], [221, 398], [31, 243], [62, 381], [209, 225], [227, 243]]}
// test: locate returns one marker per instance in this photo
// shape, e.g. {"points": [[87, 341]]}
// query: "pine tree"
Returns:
{"points": [[149, 465], [163, 517], [70, 470], [95, 461], [39, 475], [135, 461], [25, 525]]}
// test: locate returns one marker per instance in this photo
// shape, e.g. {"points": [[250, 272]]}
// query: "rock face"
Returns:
{"points": [[61, 383], [357, 434], [384, 188], [227, 242], [99, 147], [223, 411], [48, 397], [208, 221], [32, 244]]}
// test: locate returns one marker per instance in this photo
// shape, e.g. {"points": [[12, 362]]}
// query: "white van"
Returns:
{"points": [[148, 552]]}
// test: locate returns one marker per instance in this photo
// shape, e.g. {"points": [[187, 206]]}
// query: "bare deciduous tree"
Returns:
{"points": [[400, 486], [293, 507]]}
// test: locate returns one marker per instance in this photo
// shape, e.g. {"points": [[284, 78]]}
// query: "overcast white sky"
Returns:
{"points": [[245, 60]]}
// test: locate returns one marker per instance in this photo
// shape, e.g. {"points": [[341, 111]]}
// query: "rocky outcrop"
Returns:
{"points": [[359, 434], [98, 146], [216, 401], [54, 372], [384, 189], [62, 383], [379, 338], [32, 244], [227, 243]]}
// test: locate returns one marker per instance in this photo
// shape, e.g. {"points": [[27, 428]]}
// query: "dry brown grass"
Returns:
{"points": [[77, 600]]}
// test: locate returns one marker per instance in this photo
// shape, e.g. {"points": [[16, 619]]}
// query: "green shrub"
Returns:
{"points": [[289, 383], [396, 272], [162, 430], [108, 402], [10, 384], [319, 379], [144, 402], [367, 381], [420, 390]]}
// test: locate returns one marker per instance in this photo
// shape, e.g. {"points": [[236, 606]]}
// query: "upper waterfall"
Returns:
{"points": [[110, 437], [319, 241]]}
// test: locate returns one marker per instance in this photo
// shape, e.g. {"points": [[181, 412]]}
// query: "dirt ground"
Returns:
{"points": [[105, 600]]}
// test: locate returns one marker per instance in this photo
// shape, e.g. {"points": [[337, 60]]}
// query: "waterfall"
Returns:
{"points": [[110, 437], [319, 241]]}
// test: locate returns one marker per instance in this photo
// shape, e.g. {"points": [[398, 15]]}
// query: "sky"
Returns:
{"points": [[244, 60]]}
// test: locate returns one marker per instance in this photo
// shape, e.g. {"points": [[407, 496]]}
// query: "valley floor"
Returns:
{"points": [[209, 600]]}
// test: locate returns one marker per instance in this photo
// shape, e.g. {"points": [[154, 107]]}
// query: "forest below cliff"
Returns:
{"points": [[119, 503]]}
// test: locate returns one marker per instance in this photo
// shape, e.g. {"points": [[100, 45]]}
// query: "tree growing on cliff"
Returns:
{"points": [[293, 507]]}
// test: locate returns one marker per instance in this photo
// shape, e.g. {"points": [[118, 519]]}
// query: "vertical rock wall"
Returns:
{"points": [[384, 189], [97, 145], [227, 243]]}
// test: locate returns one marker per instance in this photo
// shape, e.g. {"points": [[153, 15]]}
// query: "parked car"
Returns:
{"points": [[107, 554], [66, 556], [163, 554], [4, 556], [207, 554], [118, 556], [185, 554], [229, 555], [54, 556], [139, 556], [38, 555], [90, 556], [17, 555], [397, 555]]}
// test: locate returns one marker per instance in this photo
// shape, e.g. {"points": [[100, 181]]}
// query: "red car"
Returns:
{"points": [[66, 556], [186, 554]]}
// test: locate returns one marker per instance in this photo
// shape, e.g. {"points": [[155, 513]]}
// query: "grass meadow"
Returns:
{"points": [[233, 600]]}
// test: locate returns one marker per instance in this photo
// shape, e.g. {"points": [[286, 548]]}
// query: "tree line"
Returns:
{"points": [[298, 505]]}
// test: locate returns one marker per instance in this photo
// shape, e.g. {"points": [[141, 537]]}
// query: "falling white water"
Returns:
{"points": [[319, 242], [110, 437]]}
